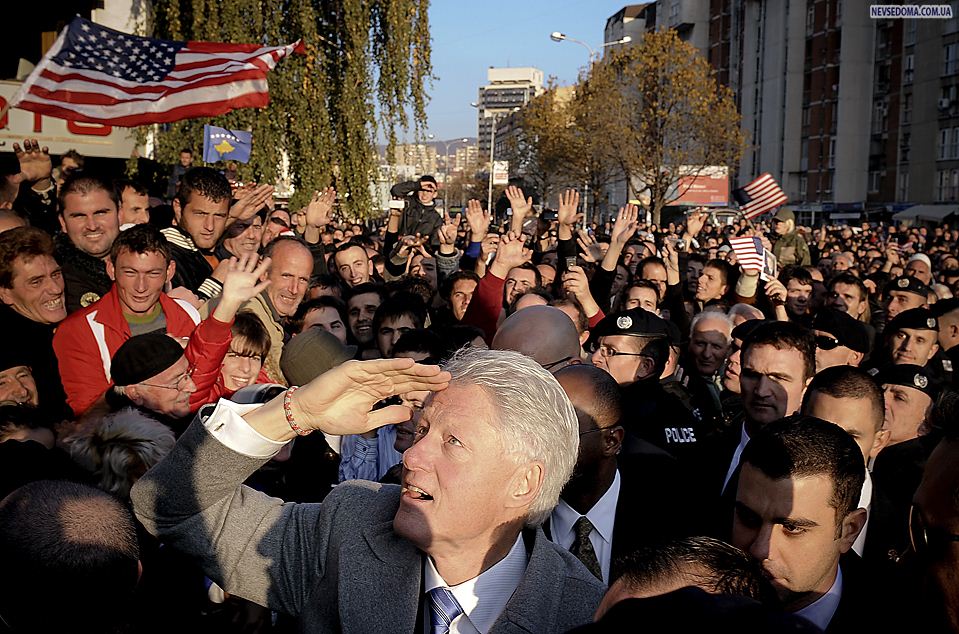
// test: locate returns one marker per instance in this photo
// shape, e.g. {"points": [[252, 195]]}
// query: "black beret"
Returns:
{"points": [[143, 357], [908, 284], [748, 327], [944, 306], [917, 318], [637, 322], [922, 378], [848, 330], [13, 356]]}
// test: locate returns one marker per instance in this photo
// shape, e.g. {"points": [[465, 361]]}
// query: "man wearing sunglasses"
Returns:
{"points": [[840, 339]]}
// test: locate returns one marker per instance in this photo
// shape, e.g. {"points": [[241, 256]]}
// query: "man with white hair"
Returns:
{"points": [[710, 338], [457, 548]]}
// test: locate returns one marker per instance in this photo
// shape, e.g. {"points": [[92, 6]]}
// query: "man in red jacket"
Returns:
{"points": [[141, 266]]}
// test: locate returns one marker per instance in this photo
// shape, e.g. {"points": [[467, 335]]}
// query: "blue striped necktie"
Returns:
{"points": [[443, 610]]}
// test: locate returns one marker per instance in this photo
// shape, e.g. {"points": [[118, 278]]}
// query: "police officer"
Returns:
{"points": [[633, 346]]}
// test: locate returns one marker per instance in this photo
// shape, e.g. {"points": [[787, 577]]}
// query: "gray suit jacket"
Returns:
{"points": [[338, 565]]}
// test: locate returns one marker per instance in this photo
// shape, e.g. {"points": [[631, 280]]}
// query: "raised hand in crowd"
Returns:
{"points": [[776, 293], [35, 163], [447, 233], [250, 200], [522, 207], [478, 220], [241, 284], [695, 222], [576, 284], [591, 251], [567, 214], [623, 229], [512, 252]]}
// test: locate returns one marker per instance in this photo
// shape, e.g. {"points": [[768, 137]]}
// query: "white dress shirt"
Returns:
{"points": [[484, 597], [743, 441], [602, 516], [821, 611], [226, 424], [865, 502]]}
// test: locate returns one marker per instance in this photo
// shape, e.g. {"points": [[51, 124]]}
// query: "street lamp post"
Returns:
{"points": [[556, 36], [446, 162]]}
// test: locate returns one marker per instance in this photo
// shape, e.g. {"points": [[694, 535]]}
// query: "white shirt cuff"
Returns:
{"points": [[226, 424]]}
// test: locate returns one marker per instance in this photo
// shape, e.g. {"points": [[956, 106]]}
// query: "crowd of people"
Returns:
{"points": [[525, 422]]}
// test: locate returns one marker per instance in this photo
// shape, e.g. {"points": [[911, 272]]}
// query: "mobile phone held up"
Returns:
{"points": [[397, 204]]}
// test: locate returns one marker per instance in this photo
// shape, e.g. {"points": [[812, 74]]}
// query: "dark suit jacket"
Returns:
{"points": [[337, 565], [858, 611]]}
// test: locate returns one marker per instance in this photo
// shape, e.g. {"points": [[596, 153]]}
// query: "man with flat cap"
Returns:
{"points": [[633, 346], [903, 293], [840, 339], [909, 391], [151, 373]]}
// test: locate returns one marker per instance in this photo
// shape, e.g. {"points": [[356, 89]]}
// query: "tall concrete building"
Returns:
{"points": [[689, 18], [850, 114], [633, 20], [421, 157], [506, 90]]}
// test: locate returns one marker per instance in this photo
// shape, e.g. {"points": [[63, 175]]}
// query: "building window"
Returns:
{"points": [[875, 177], [810, 18], [904, 147], [952, 24], [838, 13], [832, 152], [907, 108], [908, 69], [910, 35], [903, 193], [673, 12], [804, 154], [803, 184], [942, 147], [954, 144], [951, 62], [947, 185], [880, 110]]}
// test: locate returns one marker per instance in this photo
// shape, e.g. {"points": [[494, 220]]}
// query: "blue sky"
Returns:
{"points": [[468, 37]]}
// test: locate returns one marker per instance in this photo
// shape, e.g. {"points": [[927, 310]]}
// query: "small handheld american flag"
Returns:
{"points": [[94, 74], [749, 252], [759, 196]]}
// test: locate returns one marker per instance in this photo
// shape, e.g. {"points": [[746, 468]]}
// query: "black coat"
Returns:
{"points": [[30, 343], [652, 414], [84, 276], [857, 611]]}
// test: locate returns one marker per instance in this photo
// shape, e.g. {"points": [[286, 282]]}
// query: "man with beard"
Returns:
{"points": [[603, 510], [90, 224]]}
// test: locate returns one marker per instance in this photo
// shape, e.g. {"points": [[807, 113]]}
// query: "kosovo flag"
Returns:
{"points": [[220, 144]]}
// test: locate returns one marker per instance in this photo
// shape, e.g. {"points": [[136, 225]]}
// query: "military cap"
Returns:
{"points": [[636, 322], [908, 284], [847, 330], [944, 306], [784, 215], [915, 318], [922, 378]]}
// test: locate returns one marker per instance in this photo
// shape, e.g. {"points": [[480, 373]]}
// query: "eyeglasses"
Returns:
{"points": [[180, 384], [550, 366], [593, 431], [827, 343], [924, 538], [607, 352]]}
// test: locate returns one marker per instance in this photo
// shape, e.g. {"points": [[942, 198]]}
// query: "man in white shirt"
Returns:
{"points": [[475, 490], [797, 514], [850, 398]]}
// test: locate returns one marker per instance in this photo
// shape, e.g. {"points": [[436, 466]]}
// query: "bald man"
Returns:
{"points": [[543, 333], [604, 509]]}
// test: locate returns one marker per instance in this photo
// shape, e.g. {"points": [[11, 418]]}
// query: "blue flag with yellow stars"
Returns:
{"points": [[220, 144]]}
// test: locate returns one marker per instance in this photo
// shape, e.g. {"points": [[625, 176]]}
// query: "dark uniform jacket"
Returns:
{"points": [[652, 414], [85, 276]]}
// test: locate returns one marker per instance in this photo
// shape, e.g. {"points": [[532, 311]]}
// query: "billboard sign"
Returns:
{"points": [[703, 186]]}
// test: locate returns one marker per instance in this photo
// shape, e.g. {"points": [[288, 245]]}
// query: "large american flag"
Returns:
{"points": [[759, 196], [750, 252], [94, 74]]}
